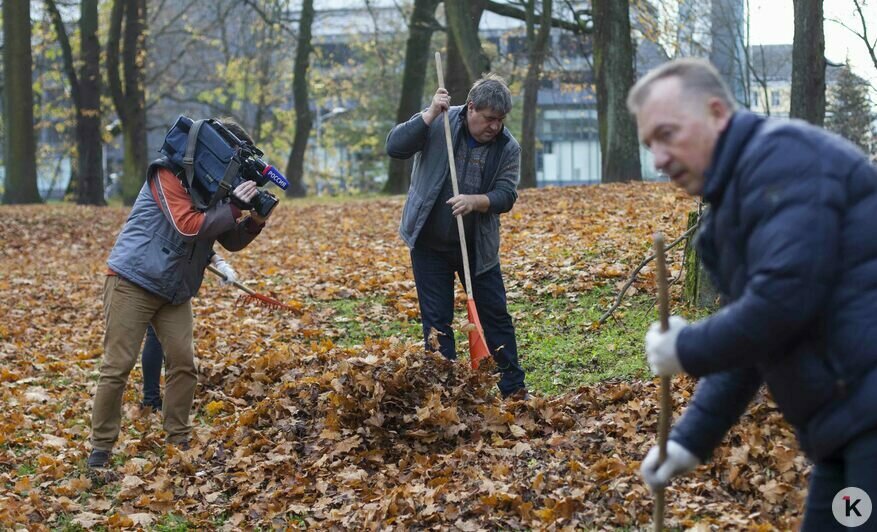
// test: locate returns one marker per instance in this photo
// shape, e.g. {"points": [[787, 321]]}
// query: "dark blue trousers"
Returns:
{"points": [[854, 466], [434, 273], [152, 360]]}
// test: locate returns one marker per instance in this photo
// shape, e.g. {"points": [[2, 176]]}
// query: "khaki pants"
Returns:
{"points": [[128, 309]]}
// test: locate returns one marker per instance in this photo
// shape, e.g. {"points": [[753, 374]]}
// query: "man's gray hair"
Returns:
{"points": [[698, 76], [491, 91]]}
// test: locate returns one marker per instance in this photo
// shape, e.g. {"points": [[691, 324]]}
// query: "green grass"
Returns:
{"points": [[25, 470], [560, 351], [65, 524], [558, 348], [355, 321], [172, 523]]}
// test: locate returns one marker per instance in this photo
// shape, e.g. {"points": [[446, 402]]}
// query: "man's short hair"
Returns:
{"points": [[491, 91], [698, 76], [236, 129]]}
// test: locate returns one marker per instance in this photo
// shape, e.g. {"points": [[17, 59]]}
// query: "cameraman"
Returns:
{"points": [[155, 267]]}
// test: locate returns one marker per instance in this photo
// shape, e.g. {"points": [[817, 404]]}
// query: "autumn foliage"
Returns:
{"points": [[296, 428]]}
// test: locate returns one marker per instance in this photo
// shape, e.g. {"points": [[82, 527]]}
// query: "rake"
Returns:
{"points": [[251, 296], [478, 350]]}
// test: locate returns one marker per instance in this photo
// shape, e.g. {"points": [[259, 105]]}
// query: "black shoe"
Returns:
{"points": [[521, 394], [183, 445], [154, 405], [98, 459]]}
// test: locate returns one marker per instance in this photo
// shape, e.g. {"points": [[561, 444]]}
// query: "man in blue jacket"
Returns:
{"points": [[487, 160], [790, 242]]}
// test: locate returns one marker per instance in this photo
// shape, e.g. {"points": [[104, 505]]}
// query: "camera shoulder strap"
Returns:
{"points": [[189, 156], [231, 171]]}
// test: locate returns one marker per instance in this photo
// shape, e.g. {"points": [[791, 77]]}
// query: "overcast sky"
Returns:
{"points": [[772, 22]]}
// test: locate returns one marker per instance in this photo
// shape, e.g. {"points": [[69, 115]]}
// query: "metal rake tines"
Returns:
{"points": [[265, 301]]}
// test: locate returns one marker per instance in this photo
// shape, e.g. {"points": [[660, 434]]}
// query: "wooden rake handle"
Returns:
{"points": [[664, 419], [235, 283], [453, 165]]}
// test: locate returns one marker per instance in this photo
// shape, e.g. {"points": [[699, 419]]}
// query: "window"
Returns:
{"points": [[754, 98], [547, 147], [775, 98]]}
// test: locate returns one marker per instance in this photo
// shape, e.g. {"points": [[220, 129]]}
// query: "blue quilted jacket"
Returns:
{"points": [[790, 240]]}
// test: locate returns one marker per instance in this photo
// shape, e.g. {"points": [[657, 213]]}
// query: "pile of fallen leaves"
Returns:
{"points": [[293, 429]]}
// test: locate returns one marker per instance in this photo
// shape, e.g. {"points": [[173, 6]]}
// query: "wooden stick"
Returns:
{"points": [[664, 419], [453, 165]]}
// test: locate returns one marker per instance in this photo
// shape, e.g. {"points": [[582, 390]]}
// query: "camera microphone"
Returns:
{"points": [[268, 171], [273, 174]]}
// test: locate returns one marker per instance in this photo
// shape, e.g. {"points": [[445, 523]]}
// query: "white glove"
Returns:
{"points": [[679, 460], [225, 269], [661, 347]]}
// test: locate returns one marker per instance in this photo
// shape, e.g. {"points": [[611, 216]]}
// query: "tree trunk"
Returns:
{"points": [[698, 290], [613, 66], [87, 177], [538, 43], [417, 55], [20, 156], [129, 96], [466, 60], [91, 179], [808, 63], [303, 120]]}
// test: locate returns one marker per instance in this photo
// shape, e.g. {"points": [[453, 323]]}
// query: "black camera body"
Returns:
{"points": [[216, 161]]}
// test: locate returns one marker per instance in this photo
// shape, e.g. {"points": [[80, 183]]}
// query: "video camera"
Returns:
{"points": [[216, 162]]}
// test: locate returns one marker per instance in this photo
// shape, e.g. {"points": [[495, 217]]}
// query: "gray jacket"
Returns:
{"points": [[152, 254], [427, 145]]}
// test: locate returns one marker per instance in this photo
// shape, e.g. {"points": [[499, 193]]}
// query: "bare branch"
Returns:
{"points": [[507, 10], [254, 4], [863, 34], [635, 273]]}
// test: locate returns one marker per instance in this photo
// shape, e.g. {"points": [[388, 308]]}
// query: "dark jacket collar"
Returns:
{"points": [[729, 148]]}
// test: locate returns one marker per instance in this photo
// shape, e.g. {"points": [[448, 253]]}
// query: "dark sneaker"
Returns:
{"points": [[181, 445], [154, 405], [521, 394], [98, 459]]}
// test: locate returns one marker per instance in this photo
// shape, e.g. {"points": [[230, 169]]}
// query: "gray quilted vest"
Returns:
{"points": [[152, 254]]}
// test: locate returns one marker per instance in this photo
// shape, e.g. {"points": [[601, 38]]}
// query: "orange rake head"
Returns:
{"points": [[478, 350], [266, 301], [250, 296]]}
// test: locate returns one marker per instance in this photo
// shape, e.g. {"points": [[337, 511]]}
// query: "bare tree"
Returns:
{"points": [[85, 93], [20, 160], [417, 55], [613, 62], [466, 59], [127, 38], [538, 44], [808, 63], [303, 120], [861, 30]]}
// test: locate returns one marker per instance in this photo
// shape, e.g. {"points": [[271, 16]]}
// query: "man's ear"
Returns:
{"points": [[719, 112]]}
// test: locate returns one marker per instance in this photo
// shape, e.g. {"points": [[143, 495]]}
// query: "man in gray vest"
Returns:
{"points": [[155, 267], [487, 160]]}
